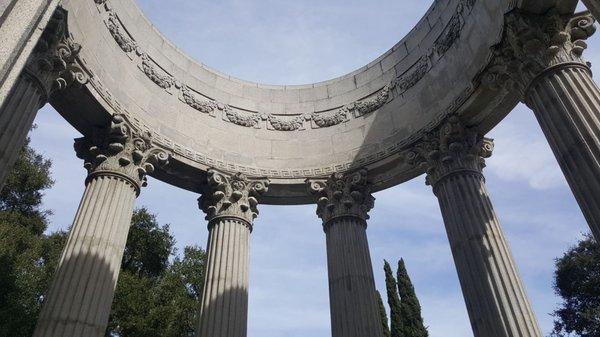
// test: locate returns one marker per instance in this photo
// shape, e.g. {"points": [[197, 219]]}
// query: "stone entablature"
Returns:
{"points": [[246, 117], [212, 121]]}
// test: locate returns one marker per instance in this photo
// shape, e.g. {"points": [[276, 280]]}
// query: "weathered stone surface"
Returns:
{"points": [[343, 203]]}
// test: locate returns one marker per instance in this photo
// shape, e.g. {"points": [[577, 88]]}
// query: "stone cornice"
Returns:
{"points": [[122, 151], [54, 63], [231, 196], [450, 150], [342, 195], [535, 44]]}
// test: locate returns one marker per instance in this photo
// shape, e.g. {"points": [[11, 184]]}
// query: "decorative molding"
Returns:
{"points": [[231, 196], [450, 149], [121, 150], [534, 44], [285, 123], [342, 195]]}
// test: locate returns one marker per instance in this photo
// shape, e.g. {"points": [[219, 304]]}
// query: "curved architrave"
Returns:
{"points": [[368, 119]]}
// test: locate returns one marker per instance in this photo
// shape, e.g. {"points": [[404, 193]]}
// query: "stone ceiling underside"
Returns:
{"points": [[369, 118]]}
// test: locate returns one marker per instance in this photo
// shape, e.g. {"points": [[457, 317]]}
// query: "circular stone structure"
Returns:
{"points": [[145, 108], [368, 118]]}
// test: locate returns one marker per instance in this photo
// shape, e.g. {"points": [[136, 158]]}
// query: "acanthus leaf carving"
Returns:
{"points": [[233, 196], [342, 195], [533, 44], [54, 62], [449, 149], [120, 150]]}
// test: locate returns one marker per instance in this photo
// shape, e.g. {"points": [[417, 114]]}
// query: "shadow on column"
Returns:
{"points": [[78, 303], [226, 315]]}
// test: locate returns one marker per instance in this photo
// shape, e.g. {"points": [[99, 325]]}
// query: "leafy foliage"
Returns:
{"points": [[157, 292], [577, 281], [156, 297], [27, 256]]}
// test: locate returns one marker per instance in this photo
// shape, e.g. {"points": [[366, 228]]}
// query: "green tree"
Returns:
{"points": [[577, 281], [27, 256], [156, 297], [383, 315], [410, 310], [396, 327]]}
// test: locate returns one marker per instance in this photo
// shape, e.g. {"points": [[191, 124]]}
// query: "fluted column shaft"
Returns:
{"points": [[52, 66], [491, 285], [230, 203], [343, 203], [566, 103], [78, 303], [453, 156], [352, 296], [224, 307], [540, 59], [16, 117], [79, 300]]}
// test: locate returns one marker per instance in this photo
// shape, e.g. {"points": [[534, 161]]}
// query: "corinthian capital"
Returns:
{"points": [[53, 63], [233, 196], [533, 44], [342, 195], [121, 151], [450, 149]]}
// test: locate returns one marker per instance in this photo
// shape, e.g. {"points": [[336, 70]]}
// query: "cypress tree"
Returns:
{"points": [[394, 301], [410, 309], [383, 316]]}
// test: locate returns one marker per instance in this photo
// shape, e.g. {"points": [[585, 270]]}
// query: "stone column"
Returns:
{"points": [[80, 297], [541, 60], [491, 285], [343, 203], [230, 204], [51, 67]]}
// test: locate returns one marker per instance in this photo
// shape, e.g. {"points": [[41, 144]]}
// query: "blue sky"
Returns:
{"points": [[291, 42]]}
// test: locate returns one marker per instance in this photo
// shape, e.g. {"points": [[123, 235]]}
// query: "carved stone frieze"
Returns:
{"points": [[280, 124], [120, 150], [233, 196], [248, 120], [533, 44], [207, 107], [450, 35], [450, 149], [54, 62], [414, 75], [162, 80], [114, 27], [324, 120], [342, 195]]}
